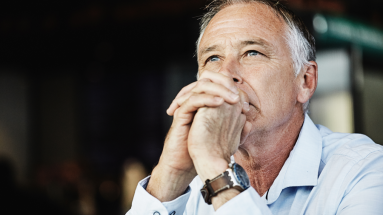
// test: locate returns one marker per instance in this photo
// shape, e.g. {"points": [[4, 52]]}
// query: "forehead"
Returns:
{"points": [[245, 20]]}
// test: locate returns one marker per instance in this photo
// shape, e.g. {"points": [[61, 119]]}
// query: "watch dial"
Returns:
{"points": [[241, 174]]}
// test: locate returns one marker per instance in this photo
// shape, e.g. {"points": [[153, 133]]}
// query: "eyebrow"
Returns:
{"points": [[260, 42], [257, 41], [208, 49]]}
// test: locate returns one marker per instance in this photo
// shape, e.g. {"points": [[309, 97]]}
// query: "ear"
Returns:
{"points": [[307, 82]]}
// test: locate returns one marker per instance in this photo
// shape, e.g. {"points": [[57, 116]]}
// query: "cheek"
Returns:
{"points": [[212, 67], [282, 94], [276, 93]]}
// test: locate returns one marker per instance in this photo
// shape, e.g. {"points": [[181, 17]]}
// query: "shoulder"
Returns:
{"points": [[351, 166], [352, 147], [349, 154]]}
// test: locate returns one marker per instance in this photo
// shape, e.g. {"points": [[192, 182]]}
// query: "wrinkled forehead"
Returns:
{"points": [[246, 18]]}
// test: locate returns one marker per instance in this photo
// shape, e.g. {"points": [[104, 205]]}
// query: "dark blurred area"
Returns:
{"points": [[84, 86]]}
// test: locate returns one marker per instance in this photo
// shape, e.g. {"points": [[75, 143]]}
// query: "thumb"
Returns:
{"points": [[245, 132]]}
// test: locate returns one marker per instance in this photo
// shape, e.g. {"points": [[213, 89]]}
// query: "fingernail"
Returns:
{"points": [[246, 106], [234, 96]]}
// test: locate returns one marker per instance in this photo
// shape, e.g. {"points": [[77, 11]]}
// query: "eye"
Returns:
{"points": [[252, 53], [213, 59]]}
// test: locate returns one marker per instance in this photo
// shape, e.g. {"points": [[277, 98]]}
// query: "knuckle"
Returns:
{"points": [[201, 83], [176, 102], [204, 74], [198, 85], [204, 80], [184, 89], [193, 98], [176, 113]]}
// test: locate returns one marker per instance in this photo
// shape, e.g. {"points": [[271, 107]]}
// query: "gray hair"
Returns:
{"points": [[298, 37]]}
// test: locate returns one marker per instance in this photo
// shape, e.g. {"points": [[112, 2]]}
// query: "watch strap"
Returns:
{"points": [[214, 186]]}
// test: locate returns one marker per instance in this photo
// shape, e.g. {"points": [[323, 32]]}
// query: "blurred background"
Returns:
{"points": [[84, 86]]}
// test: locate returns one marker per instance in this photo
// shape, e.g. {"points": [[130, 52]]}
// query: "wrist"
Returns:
{"points": [[174, 172], [167, 184], [225, 186], [223, 197], [210, 168]]}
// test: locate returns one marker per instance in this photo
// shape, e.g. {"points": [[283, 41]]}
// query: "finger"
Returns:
{"points": [[204, 86], [215, 89], [173, 106], [177, 103], [220, 78], [242, 123], [244, 101], [197, 101], [245, 131]]}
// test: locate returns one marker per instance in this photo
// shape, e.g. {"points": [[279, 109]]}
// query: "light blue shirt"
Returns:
{"points": [[326, 173]]}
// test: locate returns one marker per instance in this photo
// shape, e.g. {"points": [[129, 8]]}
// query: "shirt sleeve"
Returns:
{"points": [[144, 203], [247, 202], [365, 196]]}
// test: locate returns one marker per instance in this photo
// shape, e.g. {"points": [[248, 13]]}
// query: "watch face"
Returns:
{"points": [[241, 175]]}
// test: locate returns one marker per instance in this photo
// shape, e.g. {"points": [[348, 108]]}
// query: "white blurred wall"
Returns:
{"points": [[331, 104]]}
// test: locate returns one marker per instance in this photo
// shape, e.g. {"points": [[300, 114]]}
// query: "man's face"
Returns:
{"points": [[248, 41]]}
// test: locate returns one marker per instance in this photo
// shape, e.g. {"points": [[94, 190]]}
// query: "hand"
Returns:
{"points": [[175, 169], [216, 134], [210, 91]]}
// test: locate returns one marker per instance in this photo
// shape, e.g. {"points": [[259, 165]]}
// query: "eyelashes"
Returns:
{"points": [[212, 58], [250, 53]]}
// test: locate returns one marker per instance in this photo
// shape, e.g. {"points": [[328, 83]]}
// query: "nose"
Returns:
{"points": [[231, 68]]}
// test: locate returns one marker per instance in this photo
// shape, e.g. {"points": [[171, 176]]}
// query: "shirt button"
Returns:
{"points": [[156, 213]]}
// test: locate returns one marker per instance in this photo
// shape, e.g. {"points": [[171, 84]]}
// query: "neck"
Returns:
{"points": [[264, 153]]}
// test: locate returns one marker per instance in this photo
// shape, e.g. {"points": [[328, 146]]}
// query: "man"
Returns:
{"points": [[257, 72]]}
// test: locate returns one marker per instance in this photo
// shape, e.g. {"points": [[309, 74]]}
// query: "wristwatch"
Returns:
{"points": [[234, 177]]}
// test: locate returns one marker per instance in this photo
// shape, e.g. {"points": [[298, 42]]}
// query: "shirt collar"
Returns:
{"points": [[302, 166]]}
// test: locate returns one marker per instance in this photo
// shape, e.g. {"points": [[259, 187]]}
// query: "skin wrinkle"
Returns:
{"points": [[210, 125], [277, 60], [257, 167], [269, 12], [268, 45], [254, 41], [291, 31], [261, 170]]}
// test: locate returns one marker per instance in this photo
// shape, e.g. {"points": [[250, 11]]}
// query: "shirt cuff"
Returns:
{"points": [[144, 203], [178, 205], [247, 202]]}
